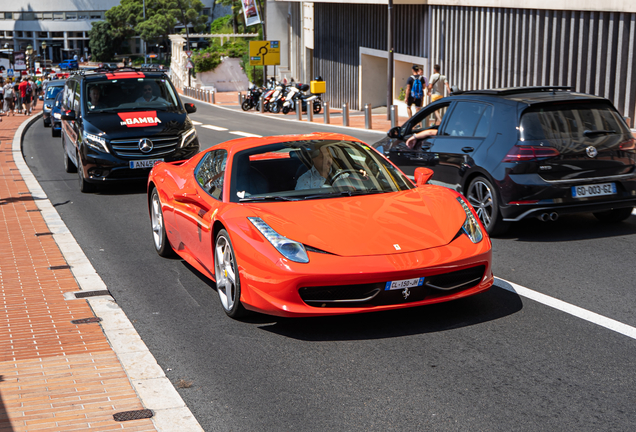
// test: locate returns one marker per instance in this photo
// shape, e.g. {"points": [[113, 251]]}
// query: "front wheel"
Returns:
{"points": [[246, 105], [228, 284], [275, 107], [161, 242], [285, 110], [317, 107], [69, 166], [85, 187], [614, 215], [482, 195]]}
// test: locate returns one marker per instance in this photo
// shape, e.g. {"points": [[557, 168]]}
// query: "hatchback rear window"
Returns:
{"points": [[569, 121]]}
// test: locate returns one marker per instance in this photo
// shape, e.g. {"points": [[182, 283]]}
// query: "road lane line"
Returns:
{"points": [[216, 128], [245, 134], [568, 308], [196, 123]]}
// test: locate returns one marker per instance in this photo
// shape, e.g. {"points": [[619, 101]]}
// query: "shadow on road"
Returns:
{"points": [[494, 304], [568, 228], [130, 187]]}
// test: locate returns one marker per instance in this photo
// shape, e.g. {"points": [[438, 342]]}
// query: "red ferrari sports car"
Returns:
{"points": [[317, 224]]}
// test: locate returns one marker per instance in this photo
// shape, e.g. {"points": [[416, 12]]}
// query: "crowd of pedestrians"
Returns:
{"points": [[20, 95]]}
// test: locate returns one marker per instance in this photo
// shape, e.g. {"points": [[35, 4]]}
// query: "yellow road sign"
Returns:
{"points": [[264, 53]]}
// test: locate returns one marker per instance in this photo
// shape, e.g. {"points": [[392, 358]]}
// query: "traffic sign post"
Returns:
{"points": [[10, 73], [264, 53]]}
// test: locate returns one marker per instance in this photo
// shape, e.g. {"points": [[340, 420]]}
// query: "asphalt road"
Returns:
{"points": [[496, 361]]}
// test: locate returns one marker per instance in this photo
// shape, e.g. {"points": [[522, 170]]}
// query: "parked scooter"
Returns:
{"points": [[253, 97]]}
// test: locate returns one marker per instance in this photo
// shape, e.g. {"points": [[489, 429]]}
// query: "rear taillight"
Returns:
{"points": [[526, 153], [629, 145]]}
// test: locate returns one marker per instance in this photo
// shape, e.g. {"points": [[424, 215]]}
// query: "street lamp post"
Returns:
{"points": [[44, 54]]}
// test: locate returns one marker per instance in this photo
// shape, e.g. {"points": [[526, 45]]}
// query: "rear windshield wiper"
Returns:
{"points": [[598, 132], [344, 193], [268, 197]]}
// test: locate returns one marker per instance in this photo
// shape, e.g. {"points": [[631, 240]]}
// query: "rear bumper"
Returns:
{"points": [[516, 213]]}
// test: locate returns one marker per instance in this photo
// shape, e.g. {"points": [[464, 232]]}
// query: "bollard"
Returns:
{"points": [[368, 119], [394, 116], [326, 112], [299, 110], [261, 102], [310, 112], [207, 96], [240, 98], [345, 114], [213, 97]]}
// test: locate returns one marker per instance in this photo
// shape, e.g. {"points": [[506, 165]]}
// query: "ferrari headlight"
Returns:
{"points": [[188, 137], [95, 142], [290, 249], [471, 227]]}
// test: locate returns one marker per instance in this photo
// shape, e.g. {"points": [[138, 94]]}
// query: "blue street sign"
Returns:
{"points": [[10, 72]]}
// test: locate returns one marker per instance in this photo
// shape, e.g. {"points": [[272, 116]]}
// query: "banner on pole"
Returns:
{"points": [[250, 11]]}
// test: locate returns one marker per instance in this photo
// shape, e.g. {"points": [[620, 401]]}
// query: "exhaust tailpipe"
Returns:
{"points": [[544, 217], [554, 216]]}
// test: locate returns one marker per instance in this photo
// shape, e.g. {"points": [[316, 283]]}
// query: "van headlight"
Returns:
{"points": [[290, 249], [95, 142], [471, 227], [188, 137]]}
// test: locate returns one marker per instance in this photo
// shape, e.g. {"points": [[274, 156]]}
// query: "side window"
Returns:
{"points": [[465, 118], [68, 95], [483, 127], [76, 99], [210, 173], [426, 118]]}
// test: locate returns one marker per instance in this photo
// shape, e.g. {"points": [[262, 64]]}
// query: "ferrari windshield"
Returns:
{"points": [[130, 93], [312, 169]]}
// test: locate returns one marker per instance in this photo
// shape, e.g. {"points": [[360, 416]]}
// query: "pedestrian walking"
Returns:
{"points": [[9, 98], [25, 94], [415, 86], [18, 95], [1, 96], [437, 83]]}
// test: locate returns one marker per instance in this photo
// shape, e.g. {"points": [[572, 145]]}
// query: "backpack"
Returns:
{"points": [[416, 89], [8, 93], [28, 89]]}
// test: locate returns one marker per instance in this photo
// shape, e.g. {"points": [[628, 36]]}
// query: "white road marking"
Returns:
{"points": [[245, 134], [216, 128], [568, 308], [196, 123]]}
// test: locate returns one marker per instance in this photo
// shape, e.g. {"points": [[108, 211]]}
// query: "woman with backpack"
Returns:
{"points": [[9, 98]]}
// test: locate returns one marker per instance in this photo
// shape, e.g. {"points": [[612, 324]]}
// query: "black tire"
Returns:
{"points": [[55, 133], [45, 123], [69, 166], [84, 186], [317, 107], [481, 194], [275, 107], [228, 283], [159, 236], [285, 110], [614, 215], [246, 105]]}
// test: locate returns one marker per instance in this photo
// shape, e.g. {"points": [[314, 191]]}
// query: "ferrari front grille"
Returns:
{"points": [[129, 148], [457, 279]]}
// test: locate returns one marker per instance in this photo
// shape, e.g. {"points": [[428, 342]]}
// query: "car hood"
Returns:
{"points": [[146, 122], [380, 224]]}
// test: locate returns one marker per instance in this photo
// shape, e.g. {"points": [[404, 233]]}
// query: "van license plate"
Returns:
{"points": [[144, 163], [586, 191], [401, 284]]}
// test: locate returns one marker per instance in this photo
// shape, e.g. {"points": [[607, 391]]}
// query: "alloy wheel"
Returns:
{"points": [[157, 221], [480, 197], [224, 272]]}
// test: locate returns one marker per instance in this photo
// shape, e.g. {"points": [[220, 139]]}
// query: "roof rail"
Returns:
{"points": [[519, 90]]}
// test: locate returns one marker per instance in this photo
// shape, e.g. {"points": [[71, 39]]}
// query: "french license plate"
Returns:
{"points": [[144, 163], [406, 283], [593, 190]]}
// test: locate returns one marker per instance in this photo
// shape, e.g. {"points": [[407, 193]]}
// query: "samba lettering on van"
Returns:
{"points": [[139, 119]]}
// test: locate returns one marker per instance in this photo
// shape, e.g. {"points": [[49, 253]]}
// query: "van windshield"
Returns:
{"points": [[130, 94]]}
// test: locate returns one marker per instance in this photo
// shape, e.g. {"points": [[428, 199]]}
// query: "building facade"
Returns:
{"points": [[478, 44]]}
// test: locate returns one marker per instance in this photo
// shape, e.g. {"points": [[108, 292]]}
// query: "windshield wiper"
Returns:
{"points": [[344, 193], [598, 132], [268, 197]]}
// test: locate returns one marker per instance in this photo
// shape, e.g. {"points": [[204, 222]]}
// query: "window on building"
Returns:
{"points": [[28, 16], [38, 15], [71, 15], [15, 15], [8, 34], [58, 15], [19, 34], [28, 34], [83, 16], [57, 34], [205, 11], [96, 15], [47, 15], [43, 35]]}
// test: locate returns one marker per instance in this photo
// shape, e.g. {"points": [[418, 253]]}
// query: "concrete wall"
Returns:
{"points": [[228, 76]]}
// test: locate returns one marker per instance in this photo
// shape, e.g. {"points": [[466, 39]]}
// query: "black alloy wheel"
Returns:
{"points": [[482, 195]]}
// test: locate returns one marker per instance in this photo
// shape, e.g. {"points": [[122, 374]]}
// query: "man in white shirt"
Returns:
{"points": [[147, 95], [317, 175]]}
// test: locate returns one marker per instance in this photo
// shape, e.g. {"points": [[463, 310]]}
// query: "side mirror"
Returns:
{"points": [[422, 175], [190, 108], [68, 115], [394, 132]]}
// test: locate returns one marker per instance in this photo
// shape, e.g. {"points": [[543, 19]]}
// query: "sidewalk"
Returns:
{"points": [[57, 374], [356, 118]]}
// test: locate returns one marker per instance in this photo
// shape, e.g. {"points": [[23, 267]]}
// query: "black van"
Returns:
{"points": [[117, 125]]}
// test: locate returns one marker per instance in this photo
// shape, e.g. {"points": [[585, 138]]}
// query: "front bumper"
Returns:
{"points": [[106, 167], [557, 196], [270, 283]]}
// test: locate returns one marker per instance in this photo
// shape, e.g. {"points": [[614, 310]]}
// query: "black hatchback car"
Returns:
{"points": [[117, 125], [523, 152]]}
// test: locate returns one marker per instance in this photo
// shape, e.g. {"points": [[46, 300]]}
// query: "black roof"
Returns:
{"points": [[532, 95]]}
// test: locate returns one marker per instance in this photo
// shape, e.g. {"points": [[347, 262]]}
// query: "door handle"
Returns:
{"points": [[467, 149]]}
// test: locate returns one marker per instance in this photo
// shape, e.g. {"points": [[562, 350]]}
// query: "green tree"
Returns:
{"points": [[102, 42]]}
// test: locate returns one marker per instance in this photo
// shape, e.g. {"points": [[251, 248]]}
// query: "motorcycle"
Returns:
{"points": [[275, 102], [252, 98], [297, 98]]}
